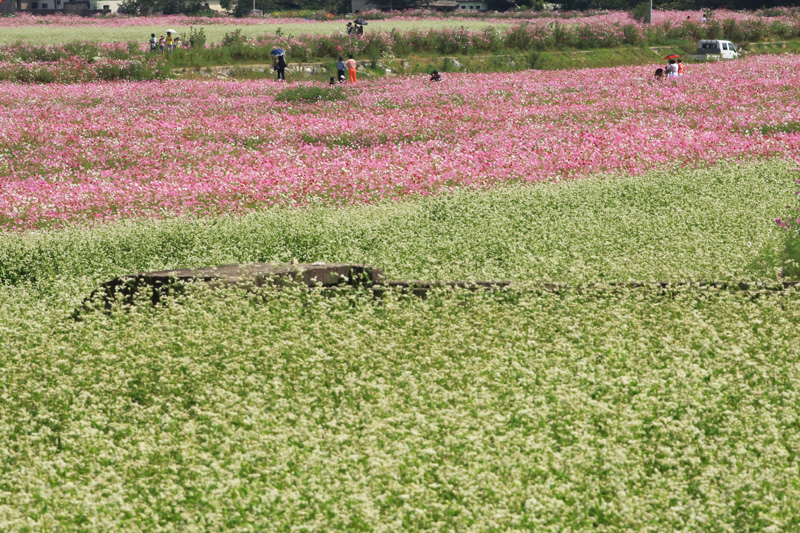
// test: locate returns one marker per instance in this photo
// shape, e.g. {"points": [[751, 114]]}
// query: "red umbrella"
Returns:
{"points": [[673, 56]]}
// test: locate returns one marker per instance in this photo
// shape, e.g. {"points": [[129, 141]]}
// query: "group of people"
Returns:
{"points": [[354, 29], [673, 70], [349, 66], [168, 43]]}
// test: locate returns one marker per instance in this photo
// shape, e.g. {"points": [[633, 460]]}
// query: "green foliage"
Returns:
{"points": [[310, 94], [521, 37], [534, 59], [641, 12], [233, 38], [197, 38], [448, 65], [785, 127]]}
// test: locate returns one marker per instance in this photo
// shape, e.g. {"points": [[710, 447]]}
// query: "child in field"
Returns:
{"points": [[153, 42], [161, 43]]}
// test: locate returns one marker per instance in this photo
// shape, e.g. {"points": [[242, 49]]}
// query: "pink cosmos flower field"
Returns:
{"points": [[99, 152]]}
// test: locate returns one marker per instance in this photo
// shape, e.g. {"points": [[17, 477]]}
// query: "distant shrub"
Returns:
{"points": [[522, 37], [733, 31], [632, 35], [641, 13], [236, 37], [308, 93], [197, 38]]}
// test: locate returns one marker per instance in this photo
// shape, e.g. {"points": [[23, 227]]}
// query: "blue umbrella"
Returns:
{"points": [[277, 52]]}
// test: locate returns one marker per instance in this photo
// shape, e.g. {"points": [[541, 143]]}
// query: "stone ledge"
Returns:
{"points": [[164, 282]]}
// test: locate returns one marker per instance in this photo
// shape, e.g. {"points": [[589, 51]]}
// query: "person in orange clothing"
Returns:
{"points": [[351, 67]]}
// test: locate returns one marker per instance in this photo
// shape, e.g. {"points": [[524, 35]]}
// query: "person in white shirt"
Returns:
{"points": [[672, 69]]}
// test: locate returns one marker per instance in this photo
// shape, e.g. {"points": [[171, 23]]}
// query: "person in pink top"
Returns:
{"points": [[351, 67]]}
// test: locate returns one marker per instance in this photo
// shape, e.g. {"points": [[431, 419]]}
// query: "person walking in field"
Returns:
{"points": [[162, 43], [170, 42], [153, 42], [280, 66], [351, 67]]}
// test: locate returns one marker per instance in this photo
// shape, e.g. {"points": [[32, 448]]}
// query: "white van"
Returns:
{"points": [[714, 49]]}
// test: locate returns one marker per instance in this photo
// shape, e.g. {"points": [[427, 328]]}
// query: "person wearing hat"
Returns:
{"points": [[435, 76]]}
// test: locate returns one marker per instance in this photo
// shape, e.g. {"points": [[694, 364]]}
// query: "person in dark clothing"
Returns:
{"points": [[341, 68], [435, 76], [280, 66]]}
